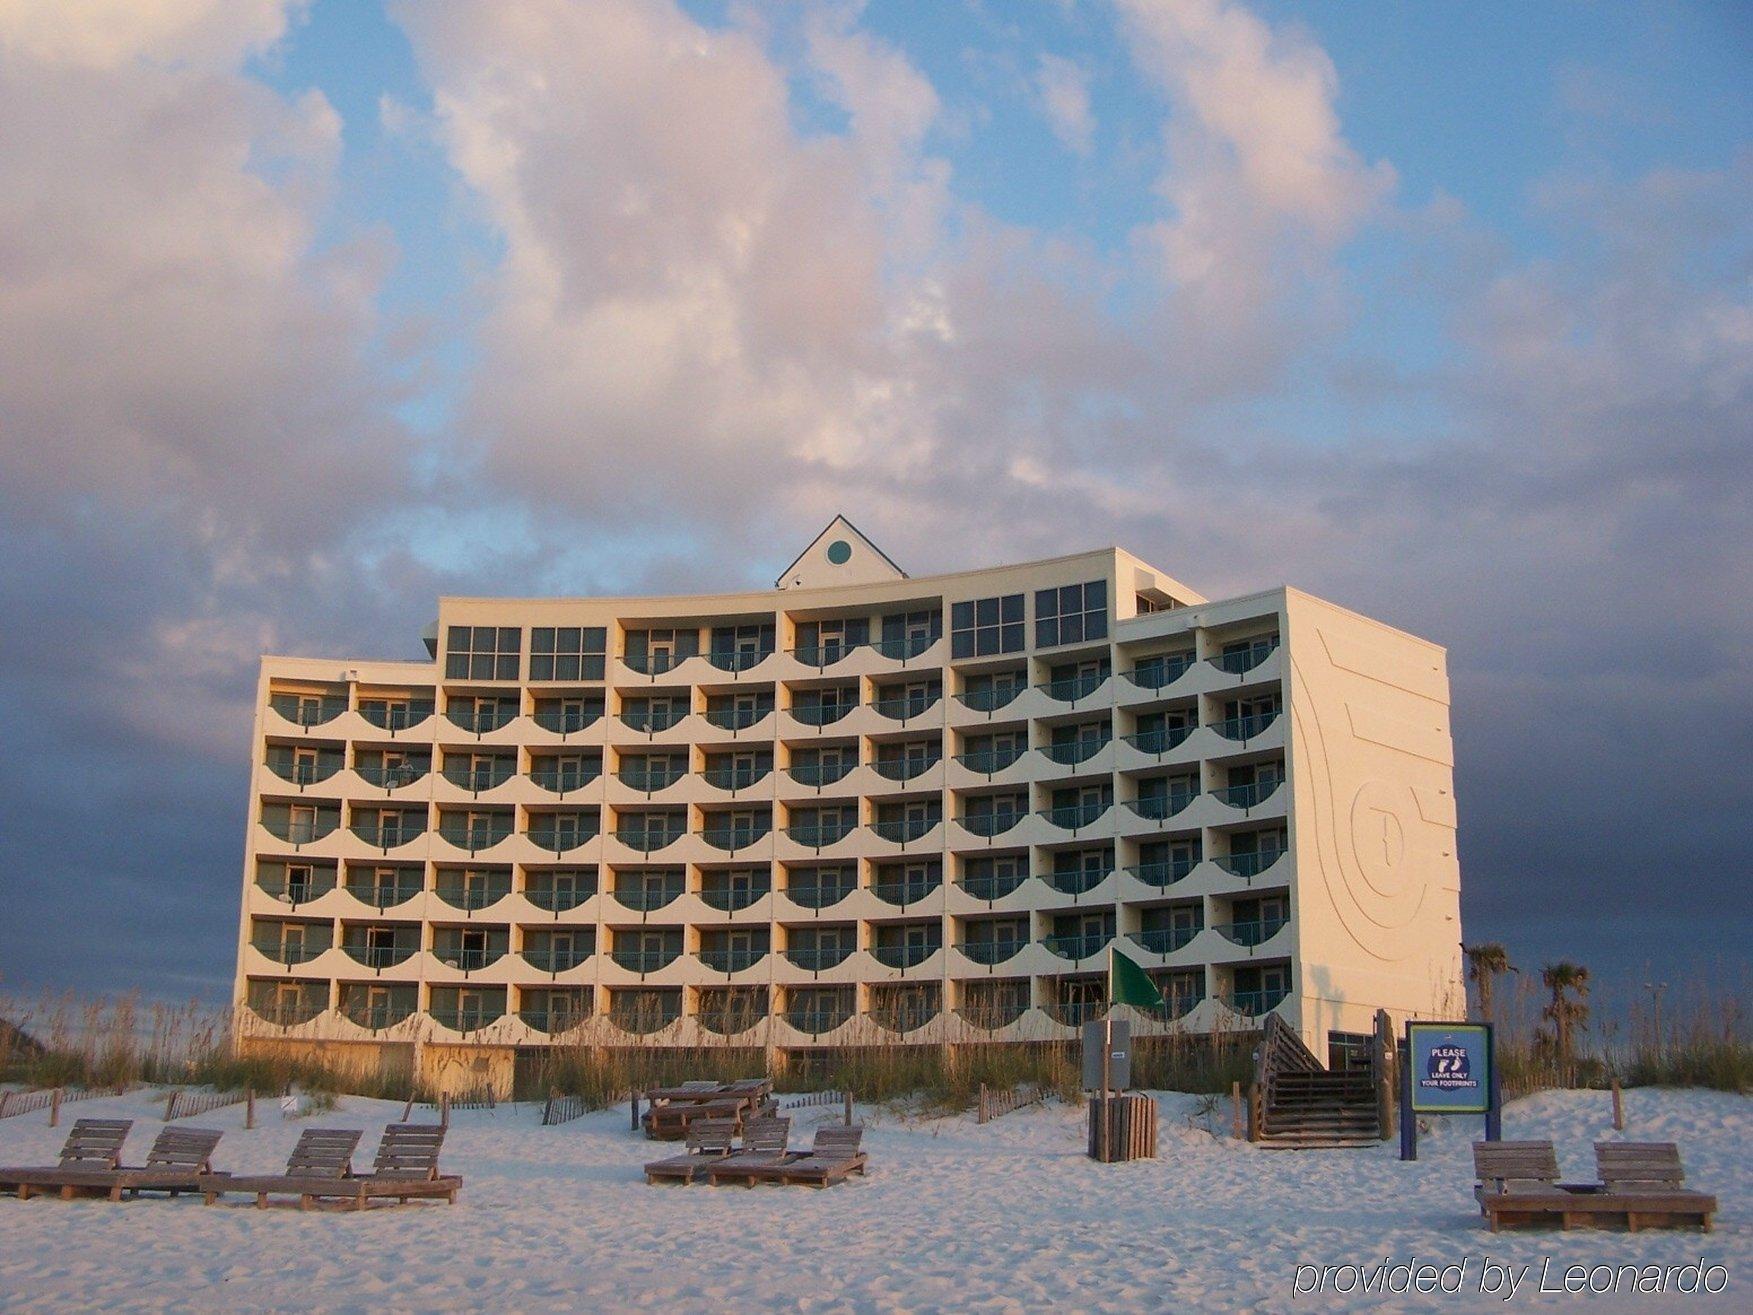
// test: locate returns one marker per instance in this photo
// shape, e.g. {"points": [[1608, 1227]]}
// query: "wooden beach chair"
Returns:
{"points": [[93, 1145], [178, 1159], [1644, 1183], [763, 1147], [708, 1140], [834, 1156], [406, 1168], [322, 1157]]}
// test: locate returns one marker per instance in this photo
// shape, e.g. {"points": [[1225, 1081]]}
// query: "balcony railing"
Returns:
{"points": [[645, 961], [563, 780], [474, 838], [287, 1013], [550, 1021], [820, 835], [467, 1020], [468, 959], [641, 1019], [379, 957], [734, 839], [736, 719], [901, 650], [1251, 933], [733, 777], [993, 886], [990, 700], [297, 892], [820, 714], [376, 1017], [1243, 729], [568, 721], [817, 1022], [1074, 817], [1074, 1013], [480, 719], [904, 1016], [1164, 872], [290, 952], [821, 656], [387, 837], [1161, 807], [391, 778], [648, 899], [1245, 659], [558, 899], [655, 664], [821, 774], [738, 659], [396, 719], [1078, 947], [903, 769], [1072, 689], [559, 839], [308, 713], [557, 959], [477, 779], [990, 1016], [989, 762], [728, 898], [903, 893], [1178, 1004], [1250, 863], [473, 896], [1076, 881], [992, 952], [817, 958], [652, 720], [991, 824], [819, 895], [1159, 742], [650, 781], [1247, 796], [1072, 752], [905, 710], [732, 1020], [1252, 1004], [300, 833], [1161, 673], [304, 774], [904, 830], [1165, 940], [384, 895], [648, 841], [726, 959]]}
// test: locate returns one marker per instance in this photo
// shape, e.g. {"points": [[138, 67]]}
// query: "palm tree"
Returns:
{"points": [[1566, 1014], [1485, 964]]}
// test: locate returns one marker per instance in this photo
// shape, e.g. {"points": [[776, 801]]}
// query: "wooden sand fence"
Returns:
{"points": [[182, 1104], [14, 1103], [561, 1109], [816, 1099], [993, 1103]]}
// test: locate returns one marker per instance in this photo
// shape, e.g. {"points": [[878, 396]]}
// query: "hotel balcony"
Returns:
{"points": [[560, 892], [467, 1012], [472, 890], [378, 890], [553, 1011], [1079, 947], [556, 952], [733, 1010], [376, 1008]]}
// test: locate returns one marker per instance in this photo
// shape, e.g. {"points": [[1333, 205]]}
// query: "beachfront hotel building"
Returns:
{"points": [[856, 808]]}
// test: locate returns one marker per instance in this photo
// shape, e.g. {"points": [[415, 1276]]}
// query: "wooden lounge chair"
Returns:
{"points": [[178, 1159], [406, 1168], [322, 1157], [1643, 1181], [1513, 1167], [763, 1147], [708, 1140], [93, 1145], [833, 1156]]}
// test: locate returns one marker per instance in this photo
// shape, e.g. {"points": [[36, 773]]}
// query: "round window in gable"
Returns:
{"points": [[839, 552]]}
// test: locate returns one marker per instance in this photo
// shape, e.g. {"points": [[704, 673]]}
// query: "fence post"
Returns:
{"points": [[444, 1109], [1618, 1108], [55, 1108], [633, 1105], [1236, 1125], [1254, 1112], [4, 1097], [981, 1117], [249, 1107], [170, 1105], [848, 1109]]}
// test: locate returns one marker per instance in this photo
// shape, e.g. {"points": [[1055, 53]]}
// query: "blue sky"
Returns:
{"points": [[310, 312]]}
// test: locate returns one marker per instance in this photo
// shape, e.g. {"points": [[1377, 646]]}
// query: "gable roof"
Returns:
{"points": [[814, 566]]}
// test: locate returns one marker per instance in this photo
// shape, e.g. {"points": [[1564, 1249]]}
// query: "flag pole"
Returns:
{"points": [[1107, 1054]]}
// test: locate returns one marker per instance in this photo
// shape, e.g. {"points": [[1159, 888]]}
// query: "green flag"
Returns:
{"points": [[1128, 984]]}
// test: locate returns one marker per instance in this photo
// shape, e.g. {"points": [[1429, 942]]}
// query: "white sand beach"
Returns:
{"points": [[953, 1216]]}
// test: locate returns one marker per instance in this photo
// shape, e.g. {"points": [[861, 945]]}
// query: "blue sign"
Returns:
{"points": [[1450, 1067]]}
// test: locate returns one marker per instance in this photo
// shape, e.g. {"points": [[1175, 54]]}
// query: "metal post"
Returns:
{"points": [[1107, 1108], [1409, 1124], [1494, 1098]]}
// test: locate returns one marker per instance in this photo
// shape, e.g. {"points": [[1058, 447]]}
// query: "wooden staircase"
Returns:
{"points": [[1300, 1104]]}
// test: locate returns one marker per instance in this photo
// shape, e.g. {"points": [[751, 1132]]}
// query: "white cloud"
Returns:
{"points": [[1064, 86], [109, 34]]}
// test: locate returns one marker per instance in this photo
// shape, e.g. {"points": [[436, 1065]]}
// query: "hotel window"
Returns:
{"points": [[985, 626], [482, 653], [567, 652], [1072, 614]]}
